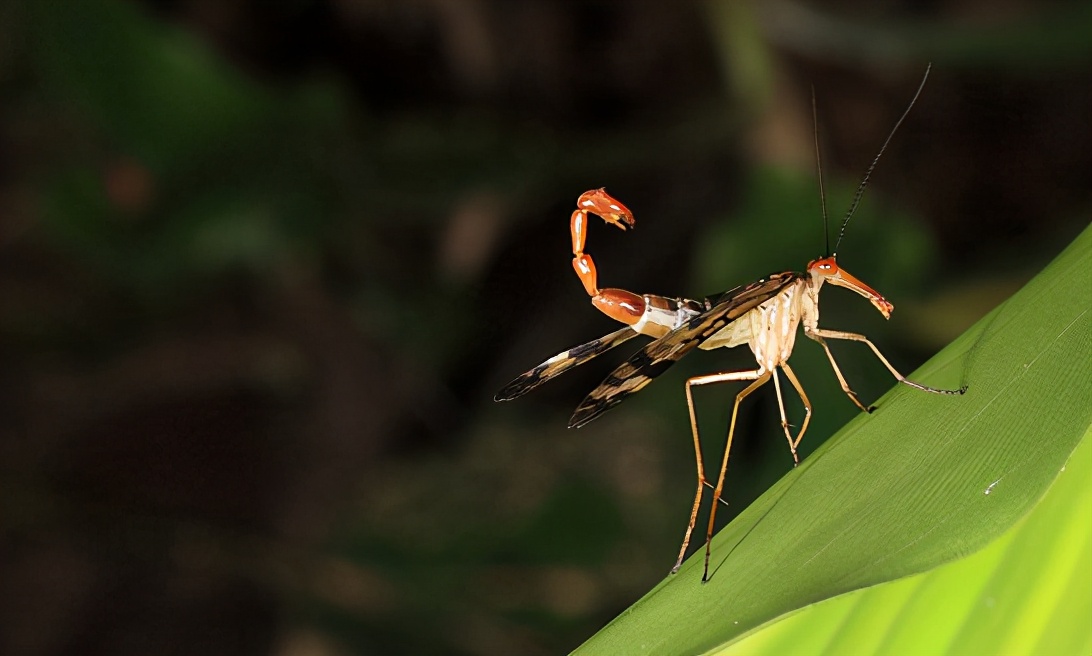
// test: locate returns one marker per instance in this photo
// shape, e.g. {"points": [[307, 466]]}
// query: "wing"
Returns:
{"points": [[562, 362], [656, 357]]}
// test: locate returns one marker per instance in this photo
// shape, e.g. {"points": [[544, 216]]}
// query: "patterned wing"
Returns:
{"points": [[656, 357], [562, 362]]}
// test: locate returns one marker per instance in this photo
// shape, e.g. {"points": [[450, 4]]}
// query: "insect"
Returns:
{"points": [[764, 315]]}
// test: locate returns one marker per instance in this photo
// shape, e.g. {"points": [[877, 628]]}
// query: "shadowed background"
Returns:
{"points": [[263, 267]]}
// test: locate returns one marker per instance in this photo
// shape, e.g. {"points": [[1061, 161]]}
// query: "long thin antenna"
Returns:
{"points": [[819, 164], [868, 173]]}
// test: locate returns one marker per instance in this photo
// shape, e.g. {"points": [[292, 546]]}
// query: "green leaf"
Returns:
{"points": [[900, 491], [1028, 592]]}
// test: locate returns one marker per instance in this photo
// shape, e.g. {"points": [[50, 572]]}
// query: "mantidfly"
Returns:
{"points": [[764, 315]]}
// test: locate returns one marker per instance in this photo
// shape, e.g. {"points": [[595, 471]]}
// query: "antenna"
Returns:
{"points": [[819, 164], [868, 173]]}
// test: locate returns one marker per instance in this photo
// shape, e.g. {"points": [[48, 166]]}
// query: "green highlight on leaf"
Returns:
{"points": [[924, 481], [1028, 592]]}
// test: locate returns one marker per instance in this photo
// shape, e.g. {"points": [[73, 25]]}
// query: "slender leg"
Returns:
{"points": [[705, 380], [838, 372], [709, 485], [807, 406], [761, 379], [784, 419], [839, 334]]}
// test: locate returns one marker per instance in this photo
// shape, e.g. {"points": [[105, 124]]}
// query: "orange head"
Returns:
{"points": [[826, 269]]}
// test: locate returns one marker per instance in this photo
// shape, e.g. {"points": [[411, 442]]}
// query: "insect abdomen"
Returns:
{"points": [[662, 314]]}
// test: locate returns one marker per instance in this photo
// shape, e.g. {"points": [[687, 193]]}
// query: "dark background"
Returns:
{"points": [[264, 265]]}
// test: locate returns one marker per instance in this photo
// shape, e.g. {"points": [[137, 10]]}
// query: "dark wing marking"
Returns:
{"points": [[656, 357], [562, 362]]}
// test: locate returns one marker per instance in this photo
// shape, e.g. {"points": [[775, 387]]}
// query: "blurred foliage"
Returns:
{"points": [[262, 268]]}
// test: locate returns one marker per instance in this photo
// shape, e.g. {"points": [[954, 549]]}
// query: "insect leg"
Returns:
{"points": [[710, 486], [840, 334], [760, 378], [838, 372], [781, 406], [706, 380], [784, 419], [807, 407]]}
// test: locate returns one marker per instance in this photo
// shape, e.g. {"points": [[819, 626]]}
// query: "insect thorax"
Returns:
{"points": [[769, 329]]}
